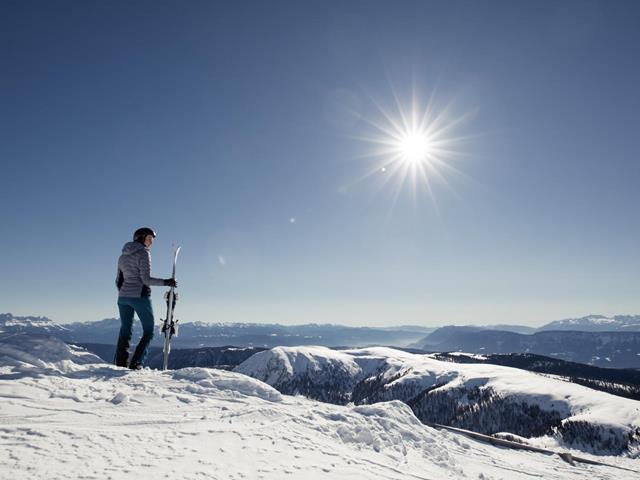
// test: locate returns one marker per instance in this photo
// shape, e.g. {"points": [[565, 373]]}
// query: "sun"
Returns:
{"points": [[414, 145]]}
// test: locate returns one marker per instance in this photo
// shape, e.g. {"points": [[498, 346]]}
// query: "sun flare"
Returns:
{"points": [[414, 145]]}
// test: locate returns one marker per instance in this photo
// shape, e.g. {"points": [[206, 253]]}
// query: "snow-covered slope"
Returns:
{"points": [[597, 323], [62, 416], [10, 323], [480, 397]]}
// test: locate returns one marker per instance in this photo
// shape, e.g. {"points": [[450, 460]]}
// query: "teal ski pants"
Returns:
{"points": [[128, 306]]}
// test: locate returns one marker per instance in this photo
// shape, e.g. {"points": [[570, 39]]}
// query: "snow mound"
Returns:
{"points": [[28, 355], [332, 373], [278, 364], [27, 352], [203, 380], [120, 398]]}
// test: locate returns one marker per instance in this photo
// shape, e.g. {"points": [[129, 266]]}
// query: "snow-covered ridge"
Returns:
{"points": [[65, 415], [10, 322], [25, 352], [482, 397], [596, 323]]}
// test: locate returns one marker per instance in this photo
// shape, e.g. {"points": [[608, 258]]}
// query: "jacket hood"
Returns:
{"points": [[132, 247]]}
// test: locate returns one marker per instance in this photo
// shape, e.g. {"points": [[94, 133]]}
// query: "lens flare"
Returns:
{"points": [[414, 145]]}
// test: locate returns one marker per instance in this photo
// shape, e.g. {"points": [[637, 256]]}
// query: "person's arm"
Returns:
{"points": [[119, 278], [145, 271]]}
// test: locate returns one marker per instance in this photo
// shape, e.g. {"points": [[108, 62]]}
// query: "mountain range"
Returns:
{"points": [[225, 358], [615, 349], [612, 342], [200, 334]]}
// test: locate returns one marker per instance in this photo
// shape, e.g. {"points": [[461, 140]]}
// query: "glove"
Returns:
{"points": [[171, 282]]}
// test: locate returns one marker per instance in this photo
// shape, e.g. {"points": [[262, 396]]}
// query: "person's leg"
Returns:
{"points": [[144, 310], [124, 337]]}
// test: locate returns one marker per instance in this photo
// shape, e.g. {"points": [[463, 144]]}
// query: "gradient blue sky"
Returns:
{"points": [[217, 122]]}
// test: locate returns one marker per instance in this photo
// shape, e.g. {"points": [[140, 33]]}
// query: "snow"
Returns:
{"points": [[468, 355], [316, 361], [13, 324], [592, 319], [408, 374], [596, 323], [65, 414], [205, 380], [28, 352]]}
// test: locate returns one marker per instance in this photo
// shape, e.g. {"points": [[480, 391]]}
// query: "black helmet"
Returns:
{"points": [[141, 233]]}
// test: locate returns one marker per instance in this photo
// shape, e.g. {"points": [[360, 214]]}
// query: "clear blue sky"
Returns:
{"points": [[216, 123]]}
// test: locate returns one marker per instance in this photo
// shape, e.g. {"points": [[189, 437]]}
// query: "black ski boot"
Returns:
{"points": [[122, 352]]}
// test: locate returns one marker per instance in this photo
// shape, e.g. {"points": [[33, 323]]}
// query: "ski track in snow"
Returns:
{"points": [[65, 415]]}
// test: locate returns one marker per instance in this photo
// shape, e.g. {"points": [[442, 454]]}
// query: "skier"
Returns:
{"points": [[133, 281]]}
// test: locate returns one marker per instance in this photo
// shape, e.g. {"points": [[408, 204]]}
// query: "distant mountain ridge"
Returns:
{"points": [[201, 334], [596, 323], [597, 340], [224, 358], [29, 324], [590, 323], [603, 349]]}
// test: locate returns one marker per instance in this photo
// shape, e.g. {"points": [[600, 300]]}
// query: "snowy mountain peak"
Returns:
{"points": [[9, 319], [596, 323], [11, 323], [278, 365]]}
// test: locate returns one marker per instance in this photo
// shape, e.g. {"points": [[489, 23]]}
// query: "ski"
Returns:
{"points": [[170, 327]]}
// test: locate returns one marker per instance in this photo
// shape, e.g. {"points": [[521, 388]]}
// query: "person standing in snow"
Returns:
{"points": [[134, 282]]}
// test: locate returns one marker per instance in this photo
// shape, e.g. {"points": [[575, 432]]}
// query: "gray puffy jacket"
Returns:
{"points": [[134, 271]]}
